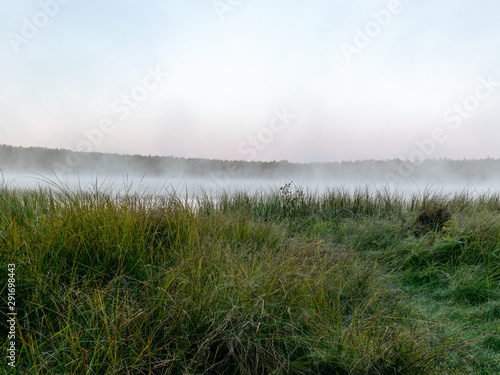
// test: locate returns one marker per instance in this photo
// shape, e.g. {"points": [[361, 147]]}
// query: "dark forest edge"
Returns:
{"points": [[47, 161]]}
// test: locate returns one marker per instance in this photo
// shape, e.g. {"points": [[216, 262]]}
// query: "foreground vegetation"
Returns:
{"points": [[288, 282]]}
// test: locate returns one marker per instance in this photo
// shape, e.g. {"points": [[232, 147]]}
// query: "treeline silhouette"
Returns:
{"points": [[47, 161]]}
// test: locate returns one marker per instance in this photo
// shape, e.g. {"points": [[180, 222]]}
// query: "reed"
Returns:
{"points": [[283, 282]]}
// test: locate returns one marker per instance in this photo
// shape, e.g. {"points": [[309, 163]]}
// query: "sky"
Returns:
{"points": [[304, 81]]}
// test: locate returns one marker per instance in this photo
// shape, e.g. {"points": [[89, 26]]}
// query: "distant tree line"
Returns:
{"points": [[42, 160]]}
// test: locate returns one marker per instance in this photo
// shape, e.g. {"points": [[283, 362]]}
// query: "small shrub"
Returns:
{"points": [[432, 217], [291, 196]]}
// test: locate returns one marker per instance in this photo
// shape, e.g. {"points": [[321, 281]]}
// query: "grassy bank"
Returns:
{"points": [[280, 283]]}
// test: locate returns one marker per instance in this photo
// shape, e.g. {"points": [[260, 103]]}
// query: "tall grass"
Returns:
{"points": [[286, 282]]}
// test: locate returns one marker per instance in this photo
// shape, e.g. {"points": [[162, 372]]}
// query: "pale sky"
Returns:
{"points": [[300, 80]]}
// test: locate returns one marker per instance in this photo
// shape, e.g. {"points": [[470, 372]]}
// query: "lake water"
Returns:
{"points": [[194, 186]]}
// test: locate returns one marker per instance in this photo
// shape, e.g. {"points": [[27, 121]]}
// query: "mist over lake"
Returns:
{"points": [[30, 167], [190, 185]]}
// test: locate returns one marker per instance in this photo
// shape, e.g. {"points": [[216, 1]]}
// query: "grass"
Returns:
{"points": [[288, 282]]}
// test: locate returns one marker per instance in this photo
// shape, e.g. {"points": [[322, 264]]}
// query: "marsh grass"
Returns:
{"points": [[286, 282]]}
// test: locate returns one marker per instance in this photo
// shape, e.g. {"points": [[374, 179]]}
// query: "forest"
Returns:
{"points": [[48, 161]]}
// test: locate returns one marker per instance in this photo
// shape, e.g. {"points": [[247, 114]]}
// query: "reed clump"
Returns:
{"points": [[284, 282]]}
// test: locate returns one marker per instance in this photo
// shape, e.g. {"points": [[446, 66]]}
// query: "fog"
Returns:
{"points": [[359, 94], [190, 186], [54, 168]]}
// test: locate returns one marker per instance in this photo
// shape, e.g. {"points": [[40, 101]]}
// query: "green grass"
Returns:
{"points": [[287, 282]]}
